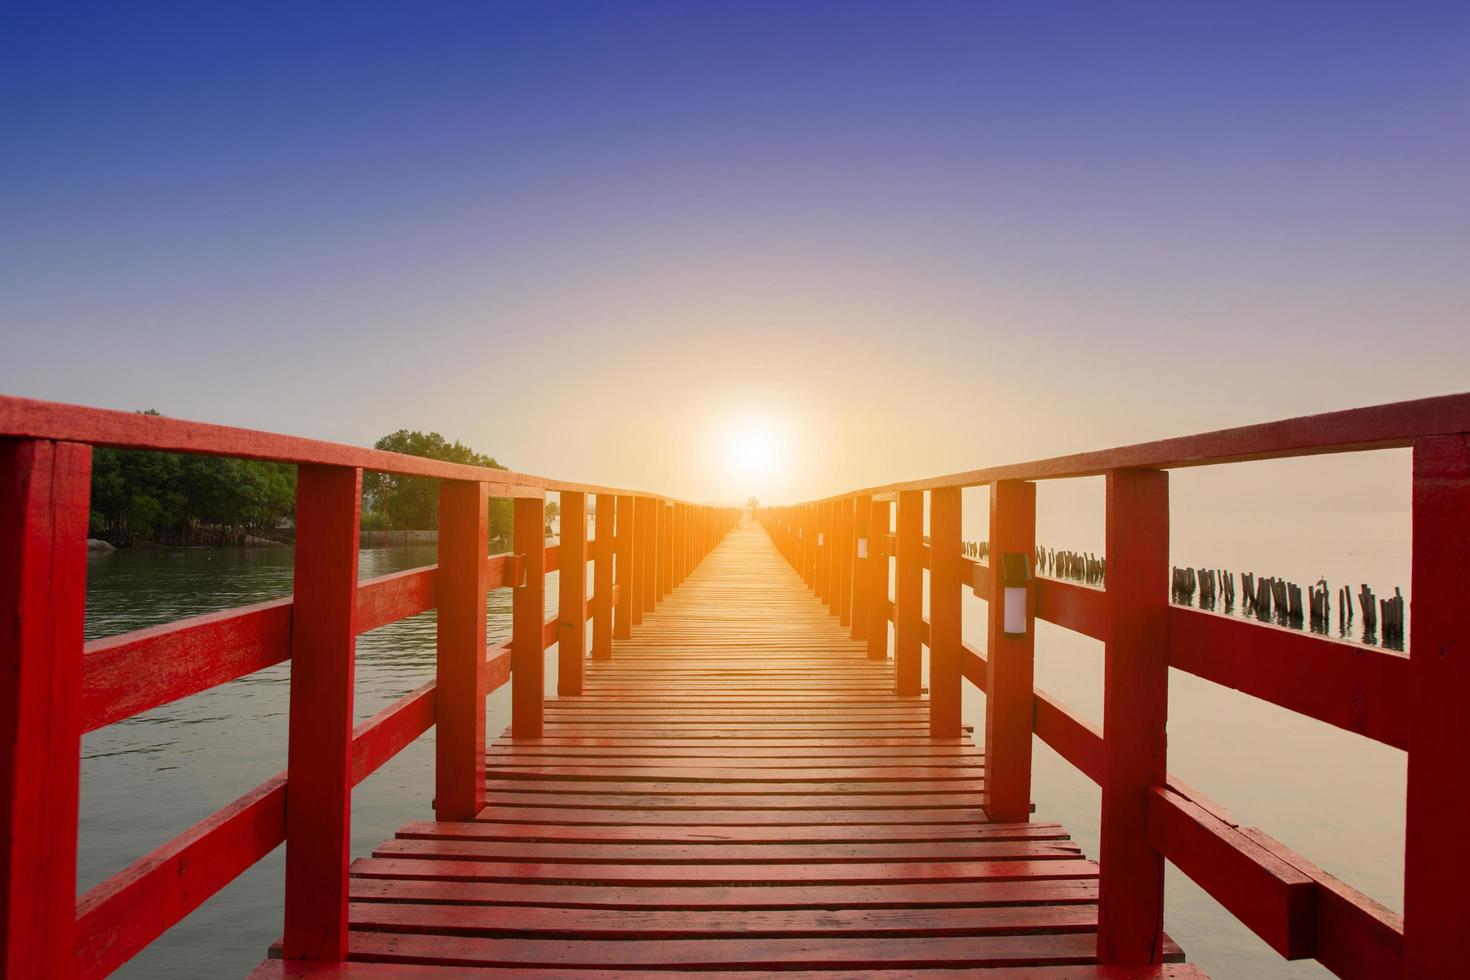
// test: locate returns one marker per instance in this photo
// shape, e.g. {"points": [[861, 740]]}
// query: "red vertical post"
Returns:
{"points": [[624, 571], [842, 556], [678, 545], [1436, 902], [946, 545], [44, 506], [571, 601], [1135, 709], [638, 560], [528, 619], [319, 746], [809, 546], [665, 548], [908, 595], [602, 577], [862, 545], [880, 516], [649, 525], [460, 678], [823, 512], [1010, 664]]}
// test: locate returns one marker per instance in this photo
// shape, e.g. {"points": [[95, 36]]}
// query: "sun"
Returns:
{"points": [[755, 448]]}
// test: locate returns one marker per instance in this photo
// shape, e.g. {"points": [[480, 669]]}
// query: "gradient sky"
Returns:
{"points": [[911, 237]]}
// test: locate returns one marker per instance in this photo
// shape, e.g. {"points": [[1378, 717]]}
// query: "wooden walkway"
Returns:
{"points": [[738, 791]]}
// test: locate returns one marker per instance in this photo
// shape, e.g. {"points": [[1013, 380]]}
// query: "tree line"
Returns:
{"points": [[179, 499]]}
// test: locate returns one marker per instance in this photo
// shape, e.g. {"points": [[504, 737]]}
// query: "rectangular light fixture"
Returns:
{"points": [[1015, 579], [862, 547]]}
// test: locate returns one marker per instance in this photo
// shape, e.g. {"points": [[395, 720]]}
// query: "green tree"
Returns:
{"points": [[413, 502]]}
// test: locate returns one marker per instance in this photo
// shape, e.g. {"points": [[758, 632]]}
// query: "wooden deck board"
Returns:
{"points": [[737, 792]]}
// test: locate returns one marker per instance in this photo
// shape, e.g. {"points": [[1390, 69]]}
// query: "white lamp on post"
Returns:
{"points": [[1015, 580]]}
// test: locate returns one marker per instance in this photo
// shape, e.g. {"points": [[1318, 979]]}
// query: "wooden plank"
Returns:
{"points": [[571, 608], [44, 502], [1436, 899], [1273, 899], [319, 747], [1135, 707], [945, 592], [1358, 688], [459, 673], [908, 595], [1010, 662], [528, 610]]}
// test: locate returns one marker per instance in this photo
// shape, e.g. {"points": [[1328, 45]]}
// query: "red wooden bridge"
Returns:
{"points": [[747, 776]]}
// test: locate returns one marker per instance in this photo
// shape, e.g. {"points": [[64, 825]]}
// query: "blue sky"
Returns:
{"points": [[586, 237]]}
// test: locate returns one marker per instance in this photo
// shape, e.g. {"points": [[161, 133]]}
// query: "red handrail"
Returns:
{"points": [[54, 687], [1413, 702]]}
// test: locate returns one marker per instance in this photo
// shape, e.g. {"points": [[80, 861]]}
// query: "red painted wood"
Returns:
{"points": [[602, 577], [858, 567], [44, 500], [1010, 663], [880, 515], [711, 836], [125, 913], [749, 954], [460, 653], [388, 732], [1396, 424], [625, 573], [908, 595], [1079, 608], [665, 548], [802, 853], [582, 924], [649, 529], [1135, 708], [706, 873], [1357, 938], [946, 548], [319, 753], [933, 893], [1359, 688], [528, 626], [389, 598], [1074, 739], [1272, 898], [25, 417], [571, 609], [1436, 899]]}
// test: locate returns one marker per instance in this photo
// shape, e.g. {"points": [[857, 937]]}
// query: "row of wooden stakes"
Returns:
{"points": [[1269, 598]]}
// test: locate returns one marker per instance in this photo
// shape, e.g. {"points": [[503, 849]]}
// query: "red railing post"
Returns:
{"points": [[823, 583], [571, 601], [908, 595], [602, 576], [528, 619], [842, 558], [860, 547], [665, 548], [1010, 666], [625, 570], [1135, 709], [678, 545], [879, 518], [1436, 898], [44, 507], [945, 590], [460, 676], [649, 525], [319, 748]]}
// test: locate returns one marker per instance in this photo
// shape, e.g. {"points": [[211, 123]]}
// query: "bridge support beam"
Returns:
{"points": [[1436, 898], [571, 600], [1135, 710], [319, 747], [908, 595], [880, 516], [528, 619], [44, 500], [945, 594], [602, 576], [460, 682], [1010, 661]]}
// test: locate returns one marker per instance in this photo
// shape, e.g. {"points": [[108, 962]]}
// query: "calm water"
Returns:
{"points": [[1334, 796]]}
